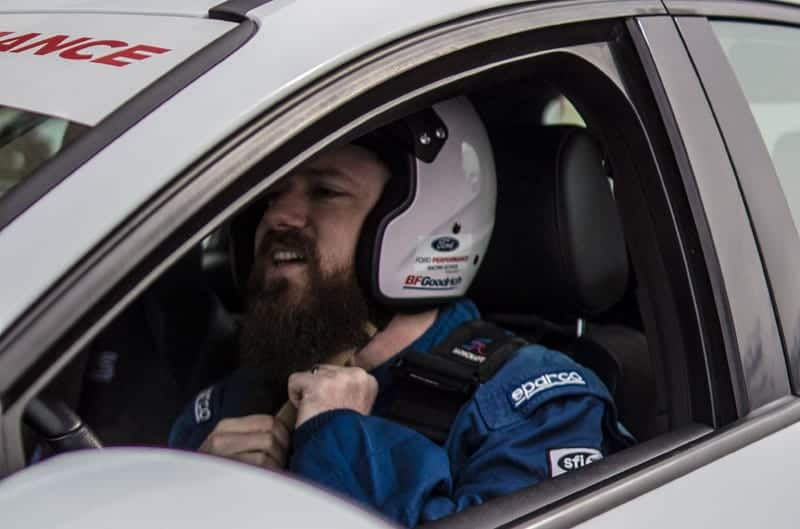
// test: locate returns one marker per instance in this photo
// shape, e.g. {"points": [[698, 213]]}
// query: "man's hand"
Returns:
{"points": [[331, 387], [259, 440]]}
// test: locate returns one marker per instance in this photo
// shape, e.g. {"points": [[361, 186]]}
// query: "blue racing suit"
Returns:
{"points": [[539, 416]]}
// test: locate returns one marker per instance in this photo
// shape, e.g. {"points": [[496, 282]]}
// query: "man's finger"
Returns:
{"points": [[260, 459], [297, 385], [327, 369], [250, 423], [230, 444], [281, 433]]}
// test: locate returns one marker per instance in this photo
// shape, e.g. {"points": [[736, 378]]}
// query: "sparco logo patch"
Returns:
{"points": [[563, 460], [202, 406], [417, 282], [551, 380], [445, 244]]}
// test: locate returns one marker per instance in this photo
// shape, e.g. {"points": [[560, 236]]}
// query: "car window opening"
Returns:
{"points": [[180, 337], [199, 292]]}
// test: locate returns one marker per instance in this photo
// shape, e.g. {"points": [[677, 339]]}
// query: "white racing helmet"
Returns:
{"points": [[424, 240]]}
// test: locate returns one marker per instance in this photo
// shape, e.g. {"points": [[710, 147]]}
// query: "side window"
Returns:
{"points": [[763, 58], [27, 140], [179, 336]]}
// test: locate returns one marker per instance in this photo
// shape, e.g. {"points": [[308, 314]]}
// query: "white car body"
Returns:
{"points": [[157, 488], [744, 477]]}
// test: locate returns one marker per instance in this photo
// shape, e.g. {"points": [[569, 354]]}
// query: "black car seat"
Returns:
{"points": [[558, 264], [173, 341]]}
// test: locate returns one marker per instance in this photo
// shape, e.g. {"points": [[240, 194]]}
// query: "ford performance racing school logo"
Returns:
{"points": [[420, 282]]}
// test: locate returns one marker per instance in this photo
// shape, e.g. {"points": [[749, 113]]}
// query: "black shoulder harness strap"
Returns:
{"points": [[430, 388]]}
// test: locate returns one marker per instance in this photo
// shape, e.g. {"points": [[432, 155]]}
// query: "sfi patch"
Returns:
{"points": [[202, 406], [563, 460]]}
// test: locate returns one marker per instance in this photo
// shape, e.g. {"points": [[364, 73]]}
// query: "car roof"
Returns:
{"points": [[200, 8]]}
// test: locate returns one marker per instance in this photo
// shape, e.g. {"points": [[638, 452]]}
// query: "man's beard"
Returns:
{"points": [[281, 335]]}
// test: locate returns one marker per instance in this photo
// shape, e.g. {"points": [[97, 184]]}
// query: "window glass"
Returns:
{"points": [[27, 140], [764, 58], [561, 111]]}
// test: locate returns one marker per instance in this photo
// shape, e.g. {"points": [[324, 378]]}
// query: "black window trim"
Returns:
{"points": [[777, 237], [235, 10], [93, 140]]}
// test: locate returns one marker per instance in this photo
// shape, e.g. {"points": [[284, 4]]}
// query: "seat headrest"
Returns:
{"points": [[558, 249]]}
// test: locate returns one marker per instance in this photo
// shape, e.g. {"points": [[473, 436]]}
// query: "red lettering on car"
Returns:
{"points": [[51, 44], [72, 53], [12, 42], [79, 48], [138, 52]]}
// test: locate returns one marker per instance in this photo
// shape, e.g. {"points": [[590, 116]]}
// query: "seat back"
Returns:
{"points": [[558, 263]]}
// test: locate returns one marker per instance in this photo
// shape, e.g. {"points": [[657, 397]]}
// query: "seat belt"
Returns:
{"points": [[430, 388]]}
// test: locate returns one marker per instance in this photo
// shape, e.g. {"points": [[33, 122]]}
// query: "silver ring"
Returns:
{"points": [[314, 369]]}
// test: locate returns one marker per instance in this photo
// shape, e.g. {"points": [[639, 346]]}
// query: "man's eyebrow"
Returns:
{"points": [[320, 172]]}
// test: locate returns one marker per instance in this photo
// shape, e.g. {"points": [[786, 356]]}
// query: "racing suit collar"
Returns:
{"points": [[450, 317]]}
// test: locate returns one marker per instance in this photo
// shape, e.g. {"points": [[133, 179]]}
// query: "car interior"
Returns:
{"points": [[558, 272]]}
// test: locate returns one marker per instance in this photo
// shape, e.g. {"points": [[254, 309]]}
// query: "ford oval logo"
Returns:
{"points": [[445, 244]]}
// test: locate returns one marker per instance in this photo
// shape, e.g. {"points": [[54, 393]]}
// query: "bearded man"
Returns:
{"points": [[305, 305]]}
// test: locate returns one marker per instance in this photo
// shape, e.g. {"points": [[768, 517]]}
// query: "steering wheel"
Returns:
{"points": [[59, 425]]}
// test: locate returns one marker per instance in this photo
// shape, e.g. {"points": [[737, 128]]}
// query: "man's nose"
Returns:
{"points": [[289, 209]]}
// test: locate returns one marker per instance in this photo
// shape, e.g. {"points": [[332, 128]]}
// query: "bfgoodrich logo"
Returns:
{"points": [[551, 380], [417, 282]]}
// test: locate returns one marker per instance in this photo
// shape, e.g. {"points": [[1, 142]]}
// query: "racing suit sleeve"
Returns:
{"points": [[509, 436]]}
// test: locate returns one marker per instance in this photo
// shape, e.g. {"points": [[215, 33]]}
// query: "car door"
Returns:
{"points": [[740, 52], [701, 299]]}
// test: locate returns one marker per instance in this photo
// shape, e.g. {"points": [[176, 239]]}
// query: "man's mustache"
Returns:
{"points": [[289, 240], [292, 240]]}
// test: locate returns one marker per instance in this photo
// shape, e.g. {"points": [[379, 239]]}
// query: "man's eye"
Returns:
{"points": [[269, 199], [327, 192]]}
